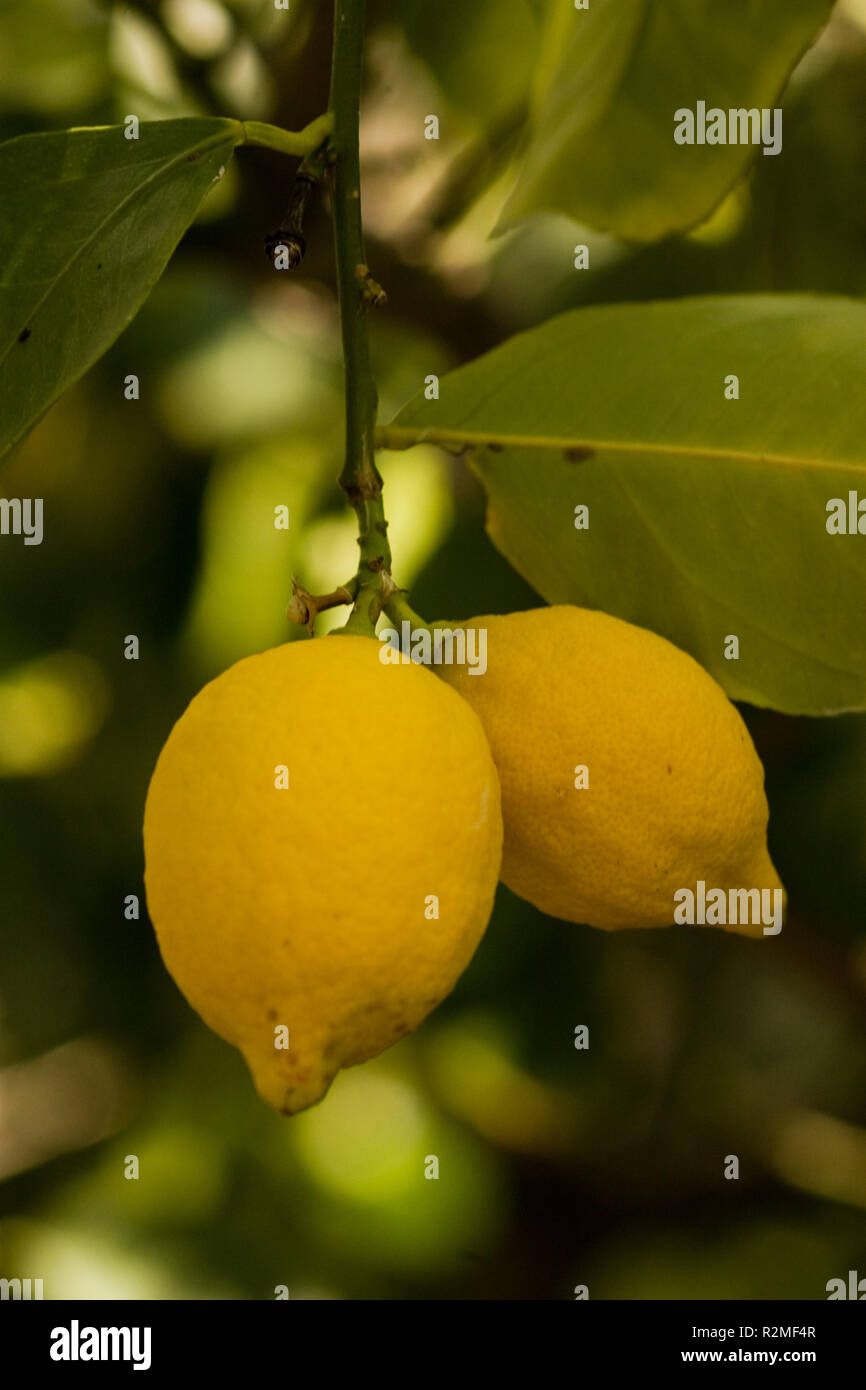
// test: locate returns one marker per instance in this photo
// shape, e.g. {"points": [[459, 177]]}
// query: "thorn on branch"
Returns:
{"points": [[371, 292], [304, 607]]}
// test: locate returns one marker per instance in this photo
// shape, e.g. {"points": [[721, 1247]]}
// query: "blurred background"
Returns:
{"points": [[558, 1166]]}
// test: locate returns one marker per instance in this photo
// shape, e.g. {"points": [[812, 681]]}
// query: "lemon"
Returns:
{"points": [[322, 843], [672, 793]]}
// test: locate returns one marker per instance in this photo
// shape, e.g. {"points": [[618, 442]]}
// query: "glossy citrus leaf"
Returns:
{"points": [[707, 515], [88, 220], [602, 148]]}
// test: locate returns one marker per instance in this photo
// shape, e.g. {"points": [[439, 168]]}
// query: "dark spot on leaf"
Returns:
{"points": [[272, 1013], [99, 267], [669, 767], [24, 335], [494, 447], [579, 454], [196, 154], [377, 564]]}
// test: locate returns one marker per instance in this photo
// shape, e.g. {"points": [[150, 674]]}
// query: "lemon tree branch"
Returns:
{"points": [[360, 478]]}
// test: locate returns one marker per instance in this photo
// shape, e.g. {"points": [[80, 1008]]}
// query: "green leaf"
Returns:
{"points": [[88, 220], [602, 146], [707, 516]]}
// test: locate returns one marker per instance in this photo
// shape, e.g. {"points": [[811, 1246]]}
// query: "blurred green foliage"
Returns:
{"points": [[557, 1166]]}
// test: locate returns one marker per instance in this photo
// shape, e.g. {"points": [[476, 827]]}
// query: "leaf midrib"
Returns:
{"points": [[404, 437]]}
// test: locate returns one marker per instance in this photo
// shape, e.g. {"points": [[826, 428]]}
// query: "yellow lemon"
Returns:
{"points": [[627, 775], [322, 842]]}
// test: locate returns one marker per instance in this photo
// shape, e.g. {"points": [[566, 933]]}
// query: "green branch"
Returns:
{"points": [[360, 478], [397, 608]]}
